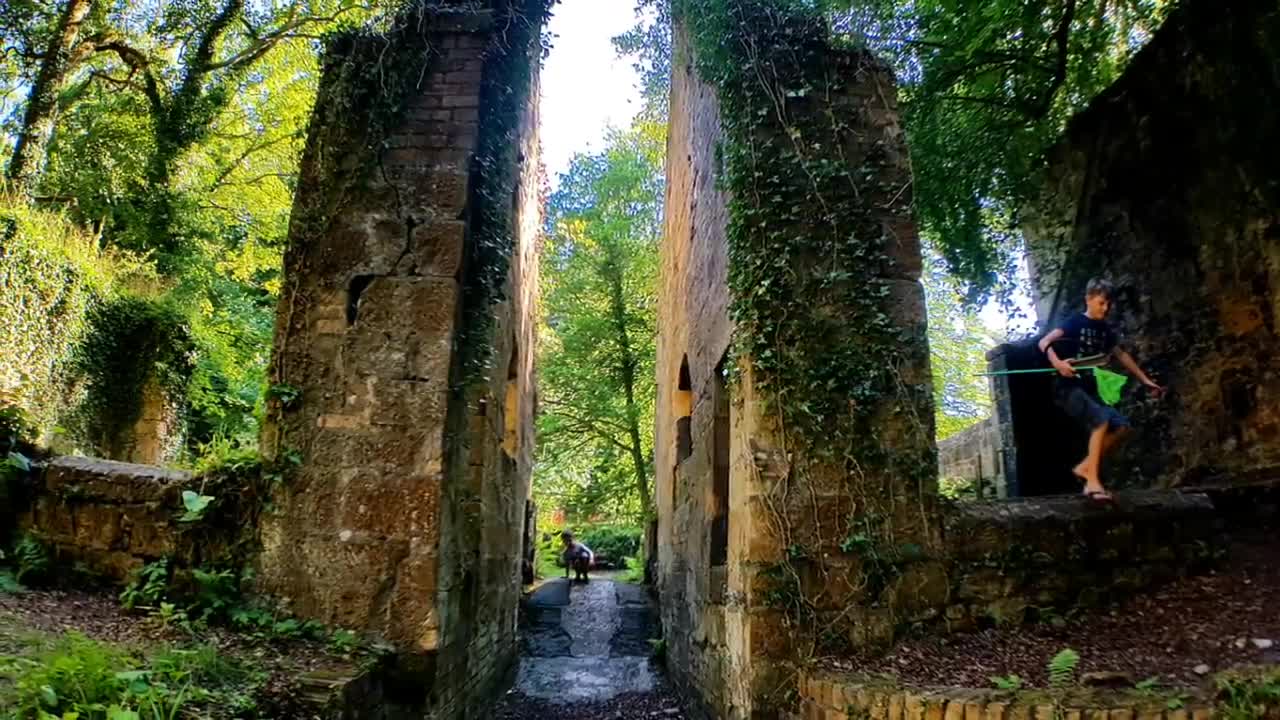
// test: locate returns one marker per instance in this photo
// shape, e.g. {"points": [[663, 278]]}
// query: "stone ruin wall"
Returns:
{"points": [[1168, 185], [974, 454], [404, 519], [705, 635], [716, 450]]}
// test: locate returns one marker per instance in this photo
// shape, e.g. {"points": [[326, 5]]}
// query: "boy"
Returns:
{"points": [[1087, 335], [576, 556]]}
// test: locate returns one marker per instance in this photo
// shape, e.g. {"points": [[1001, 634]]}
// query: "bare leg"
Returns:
{"points": [[1088, 468], [1114, 438]]}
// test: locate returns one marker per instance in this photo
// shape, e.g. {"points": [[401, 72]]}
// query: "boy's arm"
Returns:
{"points": [[1046, 346], [1132, 366]]}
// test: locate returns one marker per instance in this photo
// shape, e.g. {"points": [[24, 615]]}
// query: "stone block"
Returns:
{"points": [[913, 706], [150, 536], [995, 711], [53, 518], [438, 247], [98, 527]]}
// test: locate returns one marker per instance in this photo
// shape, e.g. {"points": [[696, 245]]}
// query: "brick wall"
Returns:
{"points": [[836, 696], [405, 518], [693, 332]]}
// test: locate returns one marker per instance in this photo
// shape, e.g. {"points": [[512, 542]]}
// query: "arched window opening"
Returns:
{"points": [[720, 468], [511, 414], [682, 410]]}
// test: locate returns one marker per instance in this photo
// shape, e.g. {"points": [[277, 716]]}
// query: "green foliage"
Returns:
{"points": [[77, 675], [32, 558], [1249, 694], [133, 342], [596, 350], [148, 585], [1062, 668], [52, 273], [1007, 682], [612, 541], [987, 88], [958, 343], [195, 505], [649, 43], [90, 680]]}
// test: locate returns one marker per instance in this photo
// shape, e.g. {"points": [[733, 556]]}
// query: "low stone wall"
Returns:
{"points": [[1007, 558], [974, 454], [835, 696], [1005, 561], [110, 518]]}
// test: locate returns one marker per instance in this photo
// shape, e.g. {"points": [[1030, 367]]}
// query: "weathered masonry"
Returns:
{"points": [[1167, 184], [734, 497], [403, 361]]}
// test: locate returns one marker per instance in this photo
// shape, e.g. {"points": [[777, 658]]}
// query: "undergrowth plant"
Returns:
{"points": [[1062, 668], [86, 679], [1249, 695], [32, 559]]}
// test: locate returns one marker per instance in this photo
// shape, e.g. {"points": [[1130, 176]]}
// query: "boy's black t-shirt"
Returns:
{"points": [[1082, 337]]}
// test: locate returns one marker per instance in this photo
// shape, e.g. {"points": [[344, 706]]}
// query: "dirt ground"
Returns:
{"points": [[1178, 633]]}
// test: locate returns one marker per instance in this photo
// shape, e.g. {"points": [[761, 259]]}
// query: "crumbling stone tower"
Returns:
{"points": [[402, 372], [790, 267]]}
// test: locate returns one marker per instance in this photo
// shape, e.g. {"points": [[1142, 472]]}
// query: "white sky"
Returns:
{"points": [[585, 86]]}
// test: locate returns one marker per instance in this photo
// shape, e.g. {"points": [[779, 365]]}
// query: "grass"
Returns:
{"points": [[75, 676]]}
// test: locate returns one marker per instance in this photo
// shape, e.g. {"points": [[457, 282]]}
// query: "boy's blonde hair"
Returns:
{"points": [[1100, 286]]}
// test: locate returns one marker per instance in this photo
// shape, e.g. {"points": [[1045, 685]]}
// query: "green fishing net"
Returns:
{"points": [[1109, 385]]}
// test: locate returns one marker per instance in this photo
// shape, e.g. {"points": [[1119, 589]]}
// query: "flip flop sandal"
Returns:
{"points": [[1099, 496]]}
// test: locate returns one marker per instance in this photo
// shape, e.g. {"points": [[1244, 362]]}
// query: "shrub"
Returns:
{"points": [[52, 273], [614, 542]]}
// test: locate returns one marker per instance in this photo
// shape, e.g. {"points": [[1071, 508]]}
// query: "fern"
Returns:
{"points": [[1062, 668], [32, 557]]}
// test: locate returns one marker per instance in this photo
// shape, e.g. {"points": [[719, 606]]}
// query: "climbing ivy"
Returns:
{"points": [[132, 341], [810, 276], [504, 96]]}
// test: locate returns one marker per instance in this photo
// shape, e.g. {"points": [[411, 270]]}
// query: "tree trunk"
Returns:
{"points": [[37, 121], [618, 310]]}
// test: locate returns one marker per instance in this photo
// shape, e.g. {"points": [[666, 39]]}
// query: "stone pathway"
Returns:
{"points": [[585, 654]]}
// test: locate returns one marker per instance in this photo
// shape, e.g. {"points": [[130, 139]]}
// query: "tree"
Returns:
{"points": [[649, 45], [987, 87], [599, 315], [60, 56], [958, 343], [177, 132]]}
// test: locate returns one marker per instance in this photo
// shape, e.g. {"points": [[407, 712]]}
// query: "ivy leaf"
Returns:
{"points": [[196, 505]]}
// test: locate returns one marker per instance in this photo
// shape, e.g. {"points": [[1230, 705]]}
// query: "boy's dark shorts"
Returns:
{"points": [[1085, 408]]}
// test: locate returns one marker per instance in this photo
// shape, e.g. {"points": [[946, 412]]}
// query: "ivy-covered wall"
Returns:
{"points": [[1168, 185], [797, 509], [402, 375]]}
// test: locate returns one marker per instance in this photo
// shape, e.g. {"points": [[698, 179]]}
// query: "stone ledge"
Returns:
{"points": [[836, 696], [1006, 557], [111, 481]]}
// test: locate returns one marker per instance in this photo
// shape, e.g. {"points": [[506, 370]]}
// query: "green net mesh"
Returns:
{"points": [[1109, 385]]}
